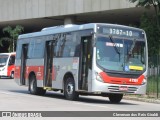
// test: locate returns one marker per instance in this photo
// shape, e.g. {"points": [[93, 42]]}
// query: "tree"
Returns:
{"points": [[13, 36], [151, 27], [152, 32], [148, 4]]}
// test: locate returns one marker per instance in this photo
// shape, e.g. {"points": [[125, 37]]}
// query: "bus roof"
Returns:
{"points": [[66, 28]]}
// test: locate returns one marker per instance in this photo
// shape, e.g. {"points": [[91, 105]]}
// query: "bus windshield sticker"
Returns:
{"points": [[116, 44], [75, 63], [127, 68], [135, 67]]}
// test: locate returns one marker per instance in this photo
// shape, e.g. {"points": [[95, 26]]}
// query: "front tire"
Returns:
{"points": [[69, 89], [33, 89], [115, 98]]}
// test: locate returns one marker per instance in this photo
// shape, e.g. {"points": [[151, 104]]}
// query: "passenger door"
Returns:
{"points": [[85, 61], [23, 63], [48, 63]]}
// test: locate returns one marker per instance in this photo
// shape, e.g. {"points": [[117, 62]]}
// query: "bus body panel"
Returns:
{"points": [[59, 70], [116, 84], [121, 87], [64, 65], [100, 87], [10, 70], [70, 65]]}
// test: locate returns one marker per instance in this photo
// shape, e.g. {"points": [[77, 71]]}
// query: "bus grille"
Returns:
{"points": [[124, 75], [116, 89]]}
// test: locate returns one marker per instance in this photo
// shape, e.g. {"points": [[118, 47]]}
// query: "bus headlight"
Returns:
{"points": [[98, 77], [2, 69], [144, 81]]}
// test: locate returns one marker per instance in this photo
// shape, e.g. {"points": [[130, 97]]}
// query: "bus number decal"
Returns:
{"points": [[120, 32], [133, 80]]}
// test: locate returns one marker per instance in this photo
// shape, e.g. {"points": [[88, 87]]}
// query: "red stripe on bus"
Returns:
{"points": [[117, 80], [10, 69], [38, 70]]}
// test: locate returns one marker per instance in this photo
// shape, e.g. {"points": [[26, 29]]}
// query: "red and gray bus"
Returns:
{"points": [[93, 59]]}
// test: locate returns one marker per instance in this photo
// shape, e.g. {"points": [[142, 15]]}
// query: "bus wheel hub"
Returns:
{"points": [[69, 88]]}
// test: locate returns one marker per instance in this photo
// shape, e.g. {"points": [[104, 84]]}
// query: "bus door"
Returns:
{"points": [[48, 63], [85, 61], [23, 63]]}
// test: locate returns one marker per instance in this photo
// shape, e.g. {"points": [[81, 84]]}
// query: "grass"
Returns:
{"points": [[153, 86]]}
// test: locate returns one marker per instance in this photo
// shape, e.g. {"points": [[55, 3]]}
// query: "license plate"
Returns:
{"points": [[123, 88]]}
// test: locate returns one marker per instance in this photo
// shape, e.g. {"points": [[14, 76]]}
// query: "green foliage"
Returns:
{"points": [[148, 4], [12, 34], [145, 3], [151, 24], [152, 32], [153, 86]]}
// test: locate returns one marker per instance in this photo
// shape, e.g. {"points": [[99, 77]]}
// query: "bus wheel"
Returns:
{"points": [[69, 89], [115, 98], [33, 89], [12, 75]]}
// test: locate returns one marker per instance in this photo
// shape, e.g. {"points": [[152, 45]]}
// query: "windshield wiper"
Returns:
{"points": [[114, 45], [132, 46]]}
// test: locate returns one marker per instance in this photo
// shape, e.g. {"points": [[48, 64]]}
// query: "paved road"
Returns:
{"points": [[17, 98]]}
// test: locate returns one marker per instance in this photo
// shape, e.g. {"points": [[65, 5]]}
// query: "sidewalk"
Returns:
{"points": [[143, 98]]}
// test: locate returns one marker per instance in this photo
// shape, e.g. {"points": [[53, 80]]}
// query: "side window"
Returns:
{"points": [[77, 40], [18, 51], [72, 43], [59, 45], [31, 49], [66, 48], [12, 60], [36, 49], [67, 44]]}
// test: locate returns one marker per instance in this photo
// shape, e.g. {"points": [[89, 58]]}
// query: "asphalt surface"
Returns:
{"points": [[17, 98]]}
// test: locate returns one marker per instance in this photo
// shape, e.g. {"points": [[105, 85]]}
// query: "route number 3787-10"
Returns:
{"points": [[121, 32]]}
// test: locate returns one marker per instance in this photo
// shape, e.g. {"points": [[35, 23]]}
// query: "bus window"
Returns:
{"points": [[11, 60]]}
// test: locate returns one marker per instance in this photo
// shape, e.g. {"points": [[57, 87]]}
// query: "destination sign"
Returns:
{"points": [[120, 31]]}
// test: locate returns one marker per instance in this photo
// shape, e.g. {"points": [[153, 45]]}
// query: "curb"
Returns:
{"points": [[149, 100]]}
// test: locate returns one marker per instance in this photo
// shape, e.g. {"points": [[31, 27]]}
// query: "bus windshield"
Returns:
{"points": [[3, 60], [125, 55]]}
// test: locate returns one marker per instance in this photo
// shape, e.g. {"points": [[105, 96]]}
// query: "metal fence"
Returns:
{"points": [[153, 85]]}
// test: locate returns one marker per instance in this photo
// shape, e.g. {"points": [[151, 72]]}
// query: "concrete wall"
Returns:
{"points": [[26, 9]]}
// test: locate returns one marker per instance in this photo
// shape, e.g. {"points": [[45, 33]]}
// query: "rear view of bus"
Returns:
{"points": [[7, 64]]}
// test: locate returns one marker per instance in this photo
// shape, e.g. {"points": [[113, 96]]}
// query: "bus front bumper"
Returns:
{"points": [[101, 87]]}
